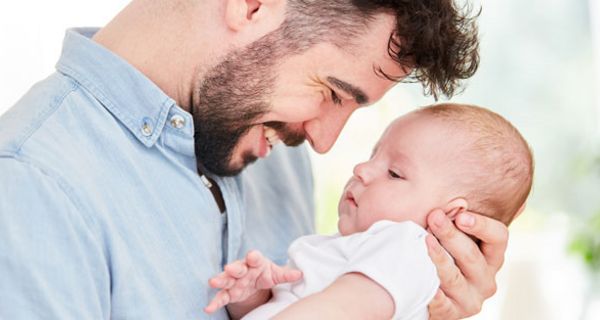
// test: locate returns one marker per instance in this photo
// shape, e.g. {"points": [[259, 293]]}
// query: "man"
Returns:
{"points": [[119, 173]]}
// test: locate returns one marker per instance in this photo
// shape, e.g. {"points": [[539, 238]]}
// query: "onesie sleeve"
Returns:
{"points": [[395, 256]]}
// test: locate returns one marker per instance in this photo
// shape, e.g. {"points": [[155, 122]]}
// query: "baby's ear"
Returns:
{"points": [[456, 206]]}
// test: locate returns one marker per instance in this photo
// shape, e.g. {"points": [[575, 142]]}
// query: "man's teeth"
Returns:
{"points": [[271, 136]]}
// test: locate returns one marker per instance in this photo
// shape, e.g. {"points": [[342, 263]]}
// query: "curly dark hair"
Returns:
{"points": [[437, 39]]}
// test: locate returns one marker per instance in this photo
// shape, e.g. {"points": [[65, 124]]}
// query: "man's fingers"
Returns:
{"points": [[463, 249], [468, 287], [221, 299], [492, 233], [457, 291], [442, 307], [451, 279]]}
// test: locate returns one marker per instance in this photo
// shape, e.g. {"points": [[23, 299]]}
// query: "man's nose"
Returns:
{"points": [[324, 131]]}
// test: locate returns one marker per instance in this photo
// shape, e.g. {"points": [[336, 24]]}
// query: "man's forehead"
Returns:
{"points": [[375, 72]]}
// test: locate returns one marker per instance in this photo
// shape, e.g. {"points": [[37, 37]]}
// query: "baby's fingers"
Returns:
{"points": [[236, 269], [285, 274], [220, 300], [292, 275], [255, 259], [221, 281]]}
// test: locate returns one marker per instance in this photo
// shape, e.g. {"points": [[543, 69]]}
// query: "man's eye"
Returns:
{"points": [[335, 98], [395, 175]]}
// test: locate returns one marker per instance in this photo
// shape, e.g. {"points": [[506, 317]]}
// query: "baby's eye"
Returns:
{"points": [[395, 175]]}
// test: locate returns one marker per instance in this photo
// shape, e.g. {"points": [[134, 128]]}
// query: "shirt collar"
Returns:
{"points": [[130, 96]]}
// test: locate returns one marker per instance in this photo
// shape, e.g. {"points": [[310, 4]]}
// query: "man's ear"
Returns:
{"points": [[456, 206], [240, 13]]}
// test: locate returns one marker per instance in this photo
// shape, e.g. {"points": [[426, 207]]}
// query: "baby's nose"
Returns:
{"points": [[362, 172]]}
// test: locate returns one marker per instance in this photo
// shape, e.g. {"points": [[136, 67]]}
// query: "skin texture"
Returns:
{"points": [[196, 36]]}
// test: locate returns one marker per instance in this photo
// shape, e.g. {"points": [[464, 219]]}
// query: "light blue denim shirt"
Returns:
{"points": [[102, 213]]}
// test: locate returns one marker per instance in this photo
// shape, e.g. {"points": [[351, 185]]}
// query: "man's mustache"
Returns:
{"points": [[287, 135]]}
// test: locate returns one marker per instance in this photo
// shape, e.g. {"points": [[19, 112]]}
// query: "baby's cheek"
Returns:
{"points": [[368, 216], [386, 208]]}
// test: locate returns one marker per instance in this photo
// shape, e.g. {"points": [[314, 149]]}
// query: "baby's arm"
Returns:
{"points": [[351, 296], [245, 284]]}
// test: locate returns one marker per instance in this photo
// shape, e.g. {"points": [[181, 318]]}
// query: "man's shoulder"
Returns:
{"points": [[31, 113]]}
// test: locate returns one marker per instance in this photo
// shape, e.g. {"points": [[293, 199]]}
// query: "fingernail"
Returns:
{"points": [[466, 220]]}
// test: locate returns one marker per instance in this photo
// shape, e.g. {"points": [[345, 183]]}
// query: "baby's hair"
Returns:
{"points": [[499, 174]]}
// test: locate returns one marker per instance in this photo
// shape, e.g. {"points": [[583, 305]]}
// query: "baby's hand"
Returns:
{"points": [[243, 278]]}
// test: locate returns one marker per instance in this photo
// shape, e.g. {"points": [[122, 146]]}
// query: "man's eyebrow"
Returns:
{"points": [[359, 96]]}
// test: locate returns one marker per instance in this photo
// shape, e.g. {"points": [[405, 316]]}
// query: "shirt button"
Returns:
{"points": [[177, 121], [147, 127]]}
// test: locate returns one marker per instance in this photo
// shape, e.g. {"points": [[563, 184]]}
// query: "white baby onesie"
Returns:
{"points": [[392, 254]]}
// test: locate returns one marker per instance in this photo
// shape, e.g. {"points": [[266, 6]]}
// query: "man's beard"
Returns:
{"points": [[232, 96]]}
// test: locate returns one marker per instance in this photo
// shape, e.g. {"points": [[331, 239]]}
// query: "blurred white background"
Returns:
{"points": [[540, 69]]}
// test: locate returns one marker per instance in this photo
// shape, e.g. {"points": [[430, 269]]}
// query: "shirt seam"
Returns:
{"points": [[80, 79], [43, 116], [64, 187], [111, 107]]}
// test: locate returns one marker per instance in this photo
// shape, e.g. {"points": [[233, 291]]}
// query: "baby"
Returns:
{"points": [[449, 156]]}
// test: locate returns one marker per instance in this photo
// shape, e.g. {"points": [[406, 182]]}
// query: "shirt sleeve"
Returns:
{"points": [[395, 256], [51, 264]]}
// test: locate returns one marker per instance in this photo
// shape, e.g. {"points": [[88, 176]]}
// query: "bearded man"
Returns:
{"points": [[121, 173]]}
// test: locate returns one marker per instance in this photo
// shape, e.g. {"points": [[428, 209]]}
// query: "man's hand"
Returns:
{"points": [[470, 279], [245, 278]]}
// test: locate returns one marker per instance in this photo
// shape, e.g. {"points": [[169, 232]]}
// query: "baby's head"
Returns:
{"points": [[448, 156]]}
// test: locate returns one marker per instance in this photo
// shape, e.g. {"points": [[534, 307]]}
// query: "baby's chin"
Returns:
{"points": [[343, 228], [343, 231]]}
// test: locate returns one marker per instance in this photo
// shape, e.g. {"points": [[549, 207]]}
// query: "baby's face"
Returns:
{"points": [[408, 175]]}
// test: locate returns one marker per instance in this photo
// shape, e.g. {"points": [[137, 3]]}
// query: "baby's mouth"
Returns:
{"points": [[350, 198]]}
